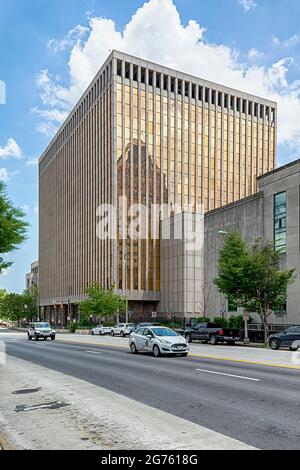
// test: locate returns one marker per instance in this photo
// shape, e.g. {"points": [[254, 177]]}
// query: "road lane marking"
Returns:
{"points": [[228, 375], [92, 352]]}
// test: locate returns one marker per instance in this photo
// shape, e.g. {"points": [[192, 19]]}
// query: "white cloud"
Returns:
{"points": [[286, 43], [155, 32], [73, 36], [32, 161], [248, 5], [11, 149], [254, 54], [4, 175]]}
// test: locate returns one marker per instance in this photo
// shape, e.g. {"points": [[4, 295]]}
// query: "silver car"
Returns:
{"points": [[159, 340]]}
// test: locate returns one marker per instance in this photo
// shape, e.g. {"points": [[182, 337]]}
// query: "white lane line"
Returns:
{"points": [[228, 375], [93, 352]]}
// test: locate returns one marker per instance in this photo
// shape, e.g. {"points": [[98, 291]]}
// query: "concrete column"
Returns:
{"points": [[176, 145], [234, 150], [197, 160], [203, 148], [139, 177], [147, 176], [209, 150], [183, 146], [131, 170], [154, 173]]}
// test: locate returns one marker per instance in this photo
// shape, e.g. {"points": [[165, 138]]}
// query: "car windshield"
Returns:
{"points": [[42, 325], [164, 332]]}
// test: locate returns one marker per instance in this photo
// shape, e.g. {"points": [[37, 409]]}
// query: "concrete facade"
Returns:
{"points": [[182, 264], [254, 218], [32, 278]]}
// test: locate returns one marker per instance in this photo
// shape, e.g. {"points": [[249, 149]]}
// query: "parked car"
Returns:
{"points": [[286, 338], [211, 333], [159, 340], [101, 330], [122, 329], [144, 324], [40, 330]]}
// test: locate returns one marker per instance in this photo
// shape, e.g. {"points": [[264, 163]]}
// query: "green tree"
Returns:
{"points": [[30, 301], [251, 277], [12, 306], [101, 302], [12, 228]]}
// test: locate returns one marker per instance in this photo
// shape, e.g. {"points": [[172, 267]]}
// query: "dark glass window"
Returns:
{"points": [[280, 222]]}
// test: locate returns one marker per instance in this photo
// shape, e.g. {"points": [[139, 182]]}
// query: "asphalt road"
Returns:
{"points": [[255, 404]]}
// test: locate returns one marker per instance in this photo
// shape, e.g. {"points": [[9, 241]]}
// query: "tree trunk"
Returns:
{"points": [[265, 327]]}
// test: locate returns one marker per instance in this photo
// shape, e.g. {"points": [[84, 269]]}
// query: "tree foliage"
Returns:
{"points": [[252, 276], [16, 307], [100, 302], [13, 229]]}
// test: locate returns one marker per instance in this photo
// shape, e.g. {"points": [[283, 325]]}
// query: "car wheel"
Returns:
{"points": [[213, 340], [93, 333], [36, 338], [293, 349], [123, 334], [156, 351], [52, 338], [274, 344], [112, 333], [29, 337], [133, 348], [188, 338]]}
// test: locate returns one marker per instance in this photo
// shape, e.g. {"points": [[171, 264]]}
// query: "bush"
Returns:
{"points": [[222, 322], [73, 327], [203, 320], [238, 322]]}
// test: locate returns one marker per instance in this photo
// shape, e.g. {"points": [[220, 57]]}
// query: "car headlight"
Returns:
{"points": [[165, 341]]}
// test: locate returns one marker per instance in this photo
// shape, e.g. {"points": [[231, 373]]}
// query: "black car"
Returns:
{"points": [[286, 338]]}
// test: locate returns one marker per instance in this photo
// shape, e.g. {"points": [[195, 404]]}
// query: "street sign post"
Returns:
{"points": [[246, 317]]}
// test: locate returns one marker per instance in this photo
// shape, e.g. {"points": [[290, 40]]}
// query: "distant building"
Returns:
{"points": [[273, 214], [32, 278]]}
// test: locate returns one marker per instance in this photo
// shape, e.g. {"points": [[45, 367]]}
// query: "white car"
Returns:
{"points": [[40, 330], [159, 340], [123, 329], [101, 330]]}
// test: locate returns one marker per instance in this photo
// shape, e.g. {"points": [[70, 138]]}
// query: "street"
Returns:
{"points": [[72, 395]]}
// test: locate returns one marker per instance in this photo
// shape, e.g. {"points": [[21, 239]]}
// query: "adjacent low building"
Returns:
{"points": [[271, 214], [32, 278]]}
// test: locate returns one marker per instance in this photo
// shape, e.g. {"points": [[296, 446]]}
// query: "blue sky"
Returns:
{"points": [[46, 61]]}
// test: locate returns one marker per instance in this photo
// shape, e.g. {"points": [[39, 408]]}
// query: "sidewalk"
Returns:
{"points": [[260, 356]]}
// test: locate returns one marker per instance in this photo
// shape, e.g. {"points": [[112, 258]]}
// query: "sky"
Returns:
{"points": [[51, 49]]}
